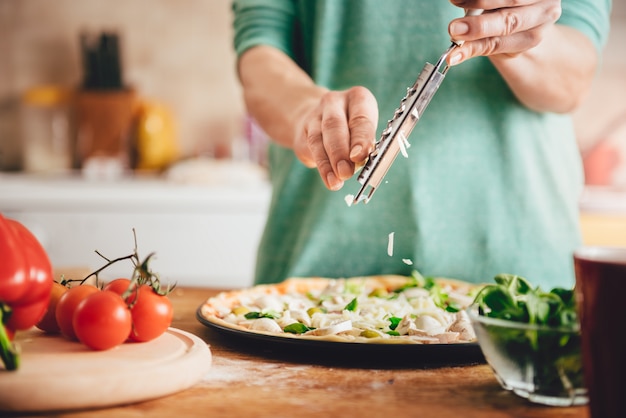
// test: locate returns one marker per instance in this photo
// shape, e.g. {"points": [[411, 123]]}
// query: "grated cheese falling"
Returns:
{"points": [[404, 144], [390, 244], [407, 261], [349, 199]]}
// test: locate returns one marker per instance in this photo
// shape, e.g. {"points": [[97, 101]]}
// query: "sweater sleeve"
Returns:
{"points": [[263, 22], [591, 17]]}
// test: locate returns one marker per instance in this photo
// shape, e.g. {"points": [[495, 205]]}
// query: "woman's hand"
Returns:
{"points": [[549, 67], [337, 133], [506, 27], [333, 131]]}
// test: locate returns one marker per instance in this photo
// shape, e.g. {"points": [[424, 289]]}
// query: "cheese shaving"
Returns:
{"points": [[390, 244], [404, 144], [349, 199]]}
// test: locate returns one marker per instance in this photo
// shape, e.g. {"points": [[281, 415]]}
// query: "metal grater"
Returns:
{"points": [[394, 139]]}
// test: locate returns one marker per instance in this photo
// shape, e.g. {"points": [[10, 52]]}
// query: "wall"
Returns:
{"points": [[606, 101], [176, 52], [601, 120], [179, 52]]}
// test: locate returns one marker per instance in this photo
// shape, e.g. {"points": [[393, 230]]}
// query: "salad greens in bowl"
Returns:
{"points": [[531, 340]]}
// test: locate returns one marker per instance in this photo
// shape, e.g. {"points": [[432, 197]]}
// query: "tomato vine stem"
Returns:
{"points": [[142, 274]]}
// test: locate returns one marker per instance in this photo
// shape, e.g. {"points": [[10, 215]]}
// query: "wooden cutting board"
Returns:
{"points": [[58, 374]]}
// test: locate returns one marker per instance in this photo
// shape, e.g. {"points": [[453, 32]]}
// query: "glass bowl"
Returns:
{"points": [[537, 362]]}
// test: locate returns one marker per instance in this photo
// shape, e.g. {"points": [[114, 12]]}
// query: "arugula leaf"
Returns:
{"points": [[552, 354], [513, 298], [516, 284]]}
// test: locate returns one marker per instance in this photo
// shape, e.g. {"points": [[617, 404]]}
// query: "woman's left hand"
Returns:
{"points": [[549, 67], [506, 27]]}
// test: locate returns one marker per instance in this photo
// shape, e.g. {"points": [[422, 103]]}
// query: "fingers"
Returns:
{"points": [[503, 30], [362, 117], [331, 154], [490, 4], [338, 134]]}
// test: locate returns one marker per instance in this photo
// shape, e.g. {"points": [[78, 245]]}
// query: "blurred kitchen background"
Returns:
{"points": [[183, 165], [175, 53]]}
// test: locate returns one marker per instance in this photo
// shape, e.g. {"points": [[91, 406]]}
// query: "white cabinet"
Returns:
{"points": [[202, 235]]}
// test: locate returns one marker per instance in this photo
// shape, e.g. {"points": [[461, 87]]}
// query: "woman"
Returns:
{"points": [[493, 173]]}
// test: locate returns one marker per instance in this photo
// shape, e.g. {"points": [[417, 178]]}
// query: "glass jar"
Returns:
{"points": [[46, 129]]}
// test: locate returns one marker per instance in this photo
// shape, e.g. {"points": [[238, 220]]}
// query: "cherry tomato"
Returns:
{"points": [[49, 321], [67, 305], [102, 320], [152, 315], [120, 286]]}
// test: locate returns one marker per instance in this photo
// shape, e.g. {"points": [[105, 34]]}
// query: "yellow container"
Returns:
{"points": [[156, 142]]}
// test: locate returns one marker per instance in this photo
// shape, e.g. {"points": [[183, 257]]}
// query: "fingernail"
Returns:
{"points": [[333, 182], [455, 59], [344, 169], [459, 28], [355, 151]]}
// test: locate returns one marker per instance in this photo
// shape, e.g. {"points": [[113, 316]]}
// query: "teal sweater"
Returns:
{"points": [[488, 187]]}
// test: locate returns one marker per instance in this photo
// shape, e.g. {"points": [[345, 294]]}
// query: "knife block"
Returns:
{"points": [[104, 124]]}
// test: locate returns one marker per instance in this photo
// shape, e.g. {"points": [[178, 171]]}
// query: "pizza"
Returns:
{"points": [[387, 309]]}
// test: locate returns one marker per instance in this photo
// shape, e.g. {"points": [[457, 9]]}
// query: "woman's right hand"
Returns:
{"points": [[333, 131], [337, 133]]}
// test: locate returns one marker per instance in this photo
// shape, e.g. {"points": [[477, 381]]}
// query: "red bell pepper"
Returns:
{"points": [[26, 281]]}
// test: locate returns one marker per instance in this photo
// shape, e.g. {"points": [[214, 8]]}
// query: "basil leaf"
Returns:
{"points": [[252, 315], [393, 322], [266, 314], [351, 306], [296, 328]]}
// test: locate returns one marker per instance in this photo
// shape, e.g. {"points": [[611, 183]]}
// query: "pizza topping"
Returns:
{"points": [[300, 315], [430, 325], [296, 328], [401, 309], [463, 326], [264, 324], [335, 328], [269, 302]]}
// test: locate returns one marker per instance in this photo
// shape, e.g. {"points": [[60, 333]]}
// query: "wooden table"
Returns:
{"points": [[244, 384]]}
